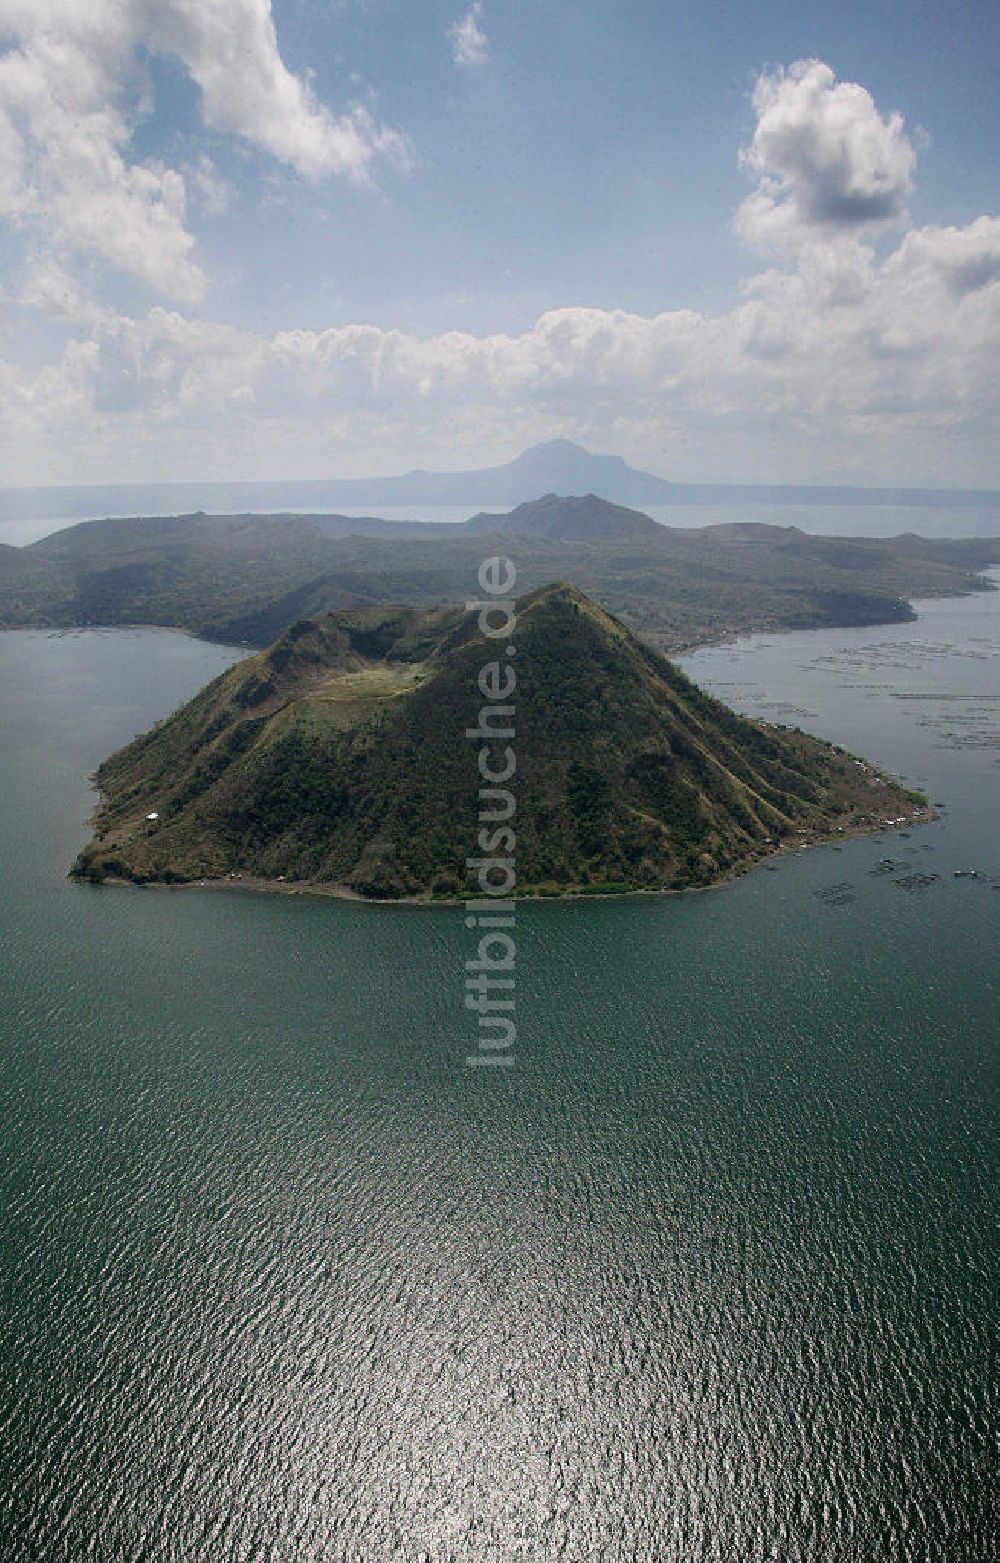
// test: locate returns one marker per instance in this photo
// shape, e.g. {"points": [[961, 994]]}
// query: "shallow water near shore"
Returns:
{"points": [[709, 1275]]}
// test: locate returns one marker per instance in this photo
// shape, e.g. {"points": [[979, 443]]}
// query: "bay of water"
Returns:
{"points": [[708, 1278]]}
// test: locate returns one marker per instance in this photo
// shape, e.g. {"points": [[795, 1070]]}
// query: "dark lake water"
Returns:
{"points": [[710, 1276]]}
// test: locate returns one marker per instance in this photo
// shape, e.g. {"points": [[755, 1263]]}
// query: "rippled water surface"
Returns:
{"points": [[709, 1276]]}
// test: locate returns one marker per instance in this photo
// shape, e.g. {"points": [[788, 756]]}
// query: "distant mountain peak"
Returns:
{"points": [[571, 518], [568, 449], [558, 466]]}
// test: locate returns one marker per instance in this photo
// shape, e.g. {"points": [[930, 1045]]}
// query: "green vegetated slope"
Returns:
{"points": [[247, 578], [32, 588], [340, 757]]}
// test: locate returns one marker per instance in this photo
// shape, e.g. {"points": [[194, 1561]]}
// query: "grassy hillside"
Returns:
{"points": [[339, 757]]}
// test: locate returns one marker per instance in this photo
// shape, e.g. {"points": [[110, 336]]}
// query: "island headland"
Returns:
{"points": [[338, 760]]}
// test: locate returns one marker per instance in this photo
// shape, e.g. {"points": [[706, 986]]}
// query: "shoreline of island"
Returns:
{"points": [[923, 814]]}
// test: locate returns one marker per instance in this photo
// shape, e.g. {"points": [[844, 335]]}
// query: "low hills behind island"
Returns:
{"points": [[246, 579]]}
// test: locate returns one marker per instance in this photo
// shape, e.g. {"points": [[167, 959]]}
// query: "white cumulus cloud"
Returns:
{"points": [[845, 358], [231, 51], [469, 44], [70, 98], [841, 363], [828, 162], [964, 259]]}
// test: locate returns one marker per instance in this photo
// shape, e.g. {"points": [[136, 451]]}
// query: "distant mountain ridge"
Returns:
{"points": [[247, 578], [556, 466]]}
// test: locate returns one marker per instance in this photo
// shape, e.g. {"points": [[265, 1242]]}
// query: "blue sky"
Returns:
{"points": [[311, 238]]}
